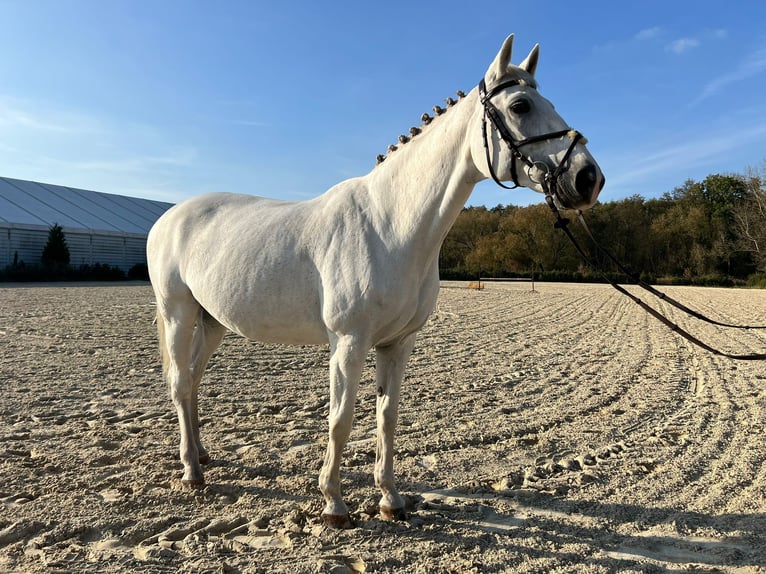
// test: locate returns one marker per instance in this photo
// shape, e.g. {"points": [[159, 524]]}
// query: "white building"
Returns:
{"points": [[99, 227]]}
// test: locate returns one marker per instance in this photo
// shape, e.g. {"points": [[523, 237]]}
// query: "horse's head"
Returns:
{"points": [[524, 139]]}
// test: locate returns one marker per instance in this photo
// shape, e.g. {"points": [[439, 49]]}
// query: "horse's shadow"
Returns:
{"points": [[613, 535], [537, 524]]}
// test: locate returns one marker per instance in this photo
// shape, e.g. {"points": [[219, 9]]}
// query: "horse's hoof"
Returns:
{"points": [[204, 458], [194, 484], [391, 514], [338, 521]]}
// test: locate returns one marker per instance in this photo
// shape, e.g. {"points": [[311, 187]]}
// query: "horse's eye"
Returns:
{"points": [[520, 106]]}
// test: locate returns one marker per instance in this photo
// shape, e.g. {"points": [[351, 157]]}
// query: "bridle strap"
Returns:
{"points": [[563, 224], [491, 112], [489, 158], [496, 119]]}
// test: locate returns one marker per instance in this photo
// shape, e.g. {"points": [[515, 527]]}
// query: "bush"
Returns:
{"points": [[97, 272], [672, 280], [139, 272], [40, 273], [757, 280]]}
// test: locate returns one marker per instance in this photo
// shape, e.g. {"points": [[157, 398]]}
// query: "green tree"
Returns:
{"points": [[623, 226], [56, 250], [710, 229], [473, 224], [533, 244], [702, 220]]}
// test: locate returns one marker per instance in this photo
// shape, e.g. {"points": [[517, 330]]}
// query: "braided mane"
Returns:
{"points": [[426, 119]]}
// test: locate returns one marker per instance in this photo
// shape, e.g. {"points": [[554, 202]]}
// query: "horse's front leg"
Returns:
{"points": [[346, 362], [390, 364]]}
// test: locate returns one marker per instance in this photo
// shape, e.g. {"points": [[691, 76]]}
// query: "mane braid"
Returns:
{"points": [[414, 131]]}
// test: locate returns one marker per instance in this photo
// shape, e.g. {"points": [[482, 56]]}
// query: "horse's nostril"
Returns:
{"points": [[585, 182]]}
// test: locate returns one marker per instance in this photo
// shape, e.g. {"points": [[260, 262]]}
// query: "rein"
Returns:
{"points": [[550, 185], [563, 224]]}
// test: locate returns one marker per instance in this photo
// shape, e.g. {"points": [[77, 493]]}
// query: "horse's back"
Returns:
{"points": [[208, 229]]}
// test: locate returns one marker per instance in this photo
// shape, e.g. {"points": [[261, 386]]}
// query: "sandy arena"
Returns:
{"points": [[560, 430]]}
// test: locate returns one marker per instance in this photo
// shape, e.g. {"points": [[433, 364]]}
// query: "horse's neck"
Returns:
{"points": [[422, 186]]}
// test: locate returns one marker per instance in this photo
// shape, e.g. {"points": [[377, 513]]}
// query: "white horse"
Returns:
{"points": [[356, 267]]}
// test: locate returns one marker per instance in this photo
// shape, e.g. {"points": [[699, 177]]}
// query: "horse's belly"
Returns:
{"points": [[273, 317], [283, 332]]}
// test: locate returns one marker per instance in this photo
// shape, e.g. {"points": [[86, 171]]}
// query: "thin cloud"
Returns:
{"points": [[18, 116], [250, 123], [240, 113], [752, 65], [180, 158], [648, 33], [71, 147], [682, 45], [682, 158], [645, 35]]}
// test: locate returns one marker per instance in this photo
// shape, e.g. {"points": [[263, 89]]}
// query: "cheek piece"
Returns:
{"points": [[549, 181]]}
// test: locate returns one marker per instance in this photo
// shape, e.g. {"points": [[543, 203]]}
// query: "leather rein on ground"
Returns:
{"points": [[563, 224], [550, 184]]}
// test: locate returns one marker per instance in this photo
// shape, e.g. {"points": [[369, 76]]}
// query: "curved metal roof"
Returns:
{"points": [[25, 202]]}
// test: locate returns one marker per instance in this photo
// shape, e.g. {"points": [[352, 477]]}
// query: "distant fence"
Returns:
{"points": [[501, 279], [479, 285]]}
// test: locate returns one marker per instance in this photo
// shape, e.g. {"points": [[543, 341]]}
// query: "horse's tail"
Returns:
{"points": [[163, 343]]}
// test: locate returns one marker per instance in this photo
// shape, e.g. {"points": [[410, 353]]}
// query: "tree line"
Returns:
{"points": [[710, 232]]}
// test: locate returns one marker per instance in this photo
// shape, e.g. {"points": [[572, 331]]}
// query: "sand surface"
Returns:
{"points": [[561, 430]]}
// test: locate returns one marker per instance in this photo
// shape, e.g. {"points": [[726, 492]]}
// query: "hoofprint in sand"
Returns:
{"points": [[555, 430]]}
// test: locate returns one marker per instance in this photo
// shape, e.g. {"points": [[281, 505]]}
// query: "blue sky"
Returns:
{"points": [[167, 99]]}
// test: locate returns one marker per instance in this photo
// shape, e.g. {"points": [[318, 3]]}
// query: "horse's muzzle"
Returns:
{"points": [[588, 183]]}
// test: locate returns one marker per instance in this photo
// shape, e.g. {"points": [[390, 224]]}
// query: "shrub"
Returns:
{"points": [[36, 273], [139, 272], [757, 280], [97, 272]]}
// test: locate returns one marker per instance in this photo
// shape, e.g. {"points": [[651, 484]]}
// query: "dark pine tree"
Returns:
{"points": [[56, 250]]}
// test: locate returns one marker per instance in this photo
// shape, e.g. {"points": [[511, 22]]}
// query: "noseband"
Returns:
{"points": [[549, 181]]}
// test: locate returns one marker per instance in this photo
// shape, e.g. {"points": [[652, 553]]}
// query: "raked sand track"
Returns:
{"points": [[561, 430]]}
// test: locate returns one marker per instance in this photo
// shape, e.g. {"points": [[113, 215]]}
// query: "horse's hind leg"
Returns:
{"points": [[176, 322], [207, 337], [346, 362]]}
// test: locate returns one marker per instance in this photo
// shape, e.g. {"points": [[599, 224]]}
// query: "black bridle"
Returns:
{"points": [[549, 183]]}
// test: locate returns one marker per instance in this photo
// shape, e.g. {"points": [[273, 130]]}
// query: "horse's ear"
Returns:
{"points": [[530, 62], [499, 66]]}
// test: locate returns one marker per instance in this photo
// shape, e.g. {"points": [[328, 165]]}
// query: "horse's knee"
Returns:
{"points": [[180, 387]]}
